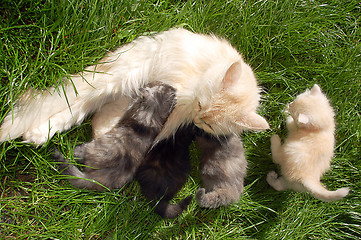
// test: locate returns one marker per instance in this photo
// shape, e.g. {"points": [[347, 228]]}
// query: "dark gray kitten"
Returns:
{"points": [[165, 170], [111, 161], [222, 169]]}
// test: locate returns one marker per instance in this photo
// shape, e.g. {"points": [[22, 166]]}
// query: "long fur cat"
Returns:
{"points": [[216, 89], [112, 160], [165, 170], [306, 153]]}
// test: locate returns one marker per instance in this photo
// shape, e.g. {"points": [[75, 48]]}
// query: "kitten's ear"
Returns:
{"points": [[303, 119], [253, 121], [145, 92], [232, 75], [316, 90]]}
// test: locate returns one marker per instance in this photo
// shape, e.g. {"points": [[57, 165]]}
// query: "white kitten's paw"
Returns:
{"points": [[272, 177], [277, 182], [275, 139]]}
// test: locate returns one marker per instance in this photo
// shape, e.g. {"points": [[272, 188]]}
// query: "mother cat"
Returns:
{"points": [[216, 89]]}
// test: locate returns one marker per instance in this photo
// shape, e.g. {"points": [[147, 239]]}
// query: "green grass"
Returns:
{"points": [[290, 44]]}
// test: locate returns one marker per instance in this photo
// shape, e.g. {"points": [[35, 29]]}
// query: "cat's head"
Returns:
{"points": [[232, 109], [312, 110]]}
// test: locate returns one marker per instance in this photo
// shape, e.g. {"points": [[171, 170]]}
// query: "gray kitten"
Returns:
{"points": [[113, 159], [222, 170]]}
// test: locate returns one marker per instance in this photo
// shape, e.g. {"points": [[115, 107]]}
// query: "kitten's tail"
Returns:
{"points": [[166, 210], [81, 179], [316, 189]]}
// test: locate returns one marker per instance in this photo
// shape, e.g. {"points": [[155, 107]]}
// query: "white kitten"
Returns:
{"points": [[216, 89], [308, 149]]}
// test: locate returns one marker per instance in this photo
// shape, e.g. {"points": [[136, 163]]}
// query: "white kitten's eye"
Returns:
{"points": [[199, 105]]}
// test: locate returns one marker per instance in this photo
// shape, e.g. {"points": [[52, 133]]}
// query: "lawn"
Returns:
{"points": [[290, 44]]}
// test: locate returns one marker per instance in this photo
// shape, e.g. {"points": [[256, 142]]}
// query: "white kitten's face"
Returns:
{"points": [[312, 110], [233, 108]]}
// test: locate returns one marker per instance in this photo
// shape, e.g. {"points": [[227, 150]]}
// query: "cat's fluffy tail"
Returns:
{"points": [[38, 115], [166, 210], [79, 179], [316, 189]]}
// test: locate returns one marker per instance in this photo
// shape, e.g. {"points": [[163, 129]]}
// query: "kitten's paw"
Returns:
{"points": [[80, 152], [200, 193], [272, 178], [216, 197], [203, 200], [277, 182], [275, 139]]}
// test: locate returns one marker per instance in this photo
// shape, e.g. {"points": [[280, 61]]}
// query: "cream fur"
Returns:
{"points": [[205, 70], [306, 153]]}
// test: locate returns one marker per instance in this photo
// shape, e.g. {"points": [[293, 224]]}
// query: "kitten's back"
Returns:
{"points": [[113, 158]]}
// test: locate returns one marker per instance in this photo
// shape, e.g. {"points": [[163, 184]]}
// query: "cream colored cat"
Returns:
{"points": [[216, 89], [308, 149]]}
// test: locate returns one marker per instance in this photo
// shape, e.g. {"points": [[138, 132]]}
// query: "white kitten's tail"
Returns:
{"points": [[316, 189]]}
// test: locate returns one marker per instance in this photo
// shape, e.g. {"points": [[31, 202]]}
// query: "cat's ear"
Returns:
{"points": [[232, 75], [253, 121], [303, 119], [315, 90]]}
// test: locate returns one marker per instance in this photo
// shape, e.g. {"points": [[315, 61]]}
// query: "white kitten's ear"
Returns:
{"points": [[253, 121], [316, 90], [303, 119], [232, 75]]}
